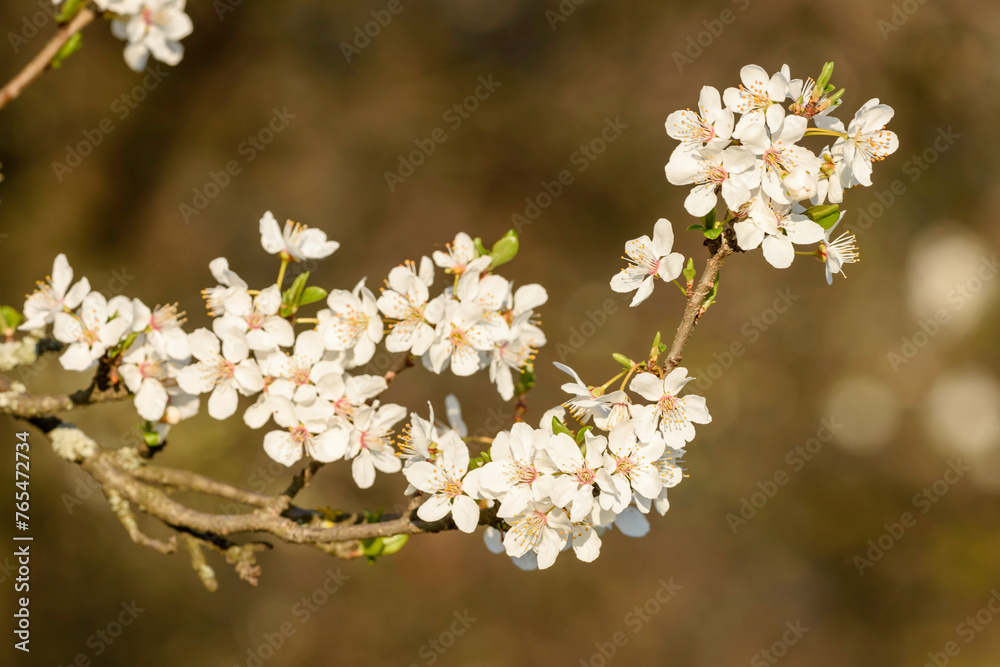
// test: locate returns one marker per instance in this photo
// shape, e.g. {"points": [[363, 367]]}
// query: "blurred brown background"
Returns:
{"points": [[827, 356]]}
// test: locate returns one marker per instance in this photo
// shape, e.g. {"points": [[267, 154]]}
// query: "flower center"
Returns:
{"points": [[256, 320], [300, 434]]}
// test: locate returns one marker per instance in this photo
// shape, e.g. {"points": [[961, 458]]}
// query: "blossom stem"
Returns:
{"points": [[43, 59], [680, 287], [816, 131], [281, 271]]}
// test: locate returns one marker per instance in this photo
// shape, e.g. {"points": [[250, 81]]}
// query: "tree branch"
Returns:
{"points": [[43, 59], [696, 300]]}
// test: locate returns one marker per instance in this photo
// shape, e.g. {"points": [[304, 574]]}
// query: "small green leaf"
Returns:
{"points": [[391, 545], [582, 433], [656, 339], [829, 221], [696, 227], [10, 318], [372, 547], [559, 427], [689, 271], [824, 76], [710, 220], [294, 293], [817, 213], [312, 294], [712, 233], [480, 248], [505, 249], [72, 45], [622, 359]]}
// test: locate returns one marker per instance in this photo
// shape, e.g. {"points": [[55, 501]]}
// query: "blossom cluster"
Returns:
{"points": [[150, 27], [306, 382], [741, 151]]}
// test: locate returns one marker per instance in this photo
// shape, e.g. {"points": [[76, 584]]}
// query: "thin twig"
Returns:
{"points": [[695, 302], [43, 59]]}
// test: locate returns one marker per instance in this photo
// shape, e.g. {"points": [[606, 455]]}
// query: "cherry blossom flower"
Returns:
{"points": [[296, 376], [515, 474], [353, 324], [54, 295], [162, 329], [843, 250], [514, 350], [254, 322], [152, 27], [630, 463], [731, 171], [782, 228], [443, 480], [671, 474], [371, 442], [144, 368], [779, 154], [347, 393], [225, 376], [100, 326], [866, 140], [649, 259], [230, 287], [296, 241], [405, 301], [758, 99], [542, 528], [710, 128], [308, 430], [574, 490], [460, 256], [459, 339], [586, 403], [670, 414]]}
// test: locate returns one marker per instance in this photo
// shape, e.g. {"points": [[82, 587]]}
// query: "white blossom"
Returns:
{"points": [[649, 259], [296, 241], [53, 296], [225, 375]]}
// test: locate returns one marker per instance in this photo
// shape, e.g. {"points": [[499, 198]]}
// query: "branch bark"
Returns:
{"points": [[43, 59], [696, 301]]}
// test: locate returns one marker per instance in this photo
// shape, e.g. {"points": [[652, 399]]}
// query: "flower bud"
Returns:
{"points": [[799, 184]]}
